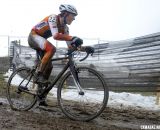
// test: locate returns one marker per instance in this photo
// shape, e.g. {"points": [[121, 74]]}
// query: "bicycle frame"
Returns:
{"points": [[71, 65]]}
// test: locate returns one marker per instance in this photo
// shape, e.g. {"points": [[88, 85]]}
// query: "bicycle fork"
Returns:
{"points": [[76, 79]]}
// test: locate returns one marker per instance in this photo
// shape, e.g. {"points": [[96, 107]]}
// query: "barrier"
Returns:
{"points": [[130, 65]]}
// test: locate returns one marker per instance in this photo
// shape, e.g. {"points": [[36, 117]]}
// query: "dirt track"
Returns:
{"points": [[51, 118]]}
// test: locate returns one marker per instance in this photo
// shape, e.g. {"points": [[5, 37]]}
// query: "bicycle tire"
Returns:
{"points": [[86, 107], [20, 94]]}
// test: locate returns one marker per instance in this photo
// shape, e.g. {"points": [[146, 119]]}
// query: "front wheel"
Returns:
{"points": [[87, 105], [21, 90]]}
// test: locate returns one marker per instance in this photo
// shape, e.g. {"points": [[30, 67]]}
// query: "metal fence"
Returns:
{"points": [[6, 50]]}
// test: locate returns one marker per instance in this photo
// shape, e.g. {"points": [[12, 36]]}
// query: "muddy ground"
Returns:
{"points": [[51, 118]]}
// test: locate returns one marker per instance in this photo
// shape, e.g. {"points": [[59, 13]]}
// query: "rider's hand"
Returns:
{"points": [[76, 42], [89, 49]]}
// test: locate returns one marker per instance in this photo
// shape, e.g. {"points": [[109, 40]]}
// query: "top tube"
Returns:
{"points": [[69, 54], [62, 58]]}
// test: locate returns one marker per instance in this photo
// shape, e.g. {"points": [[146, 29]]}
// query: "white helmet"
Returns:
{"points": [[68, 8]]}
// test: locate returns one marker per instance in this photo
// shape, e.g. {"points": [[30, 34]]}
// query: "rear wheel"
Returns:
{"points": [[21, 90], [83, 106]]}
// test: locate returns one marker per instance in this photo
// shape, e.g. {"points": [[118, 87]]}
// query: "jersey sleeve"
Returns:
{"points": [[52, 20], [53, 24]]}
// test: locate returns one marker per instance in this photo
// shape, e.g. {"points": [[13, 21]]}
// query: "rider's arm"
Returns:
{"points": [[64, 37], [54, 30]]}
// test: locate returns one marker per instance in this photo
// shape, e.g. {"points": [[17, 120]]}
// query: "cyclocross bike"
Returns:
{"points": [[82, 93]]}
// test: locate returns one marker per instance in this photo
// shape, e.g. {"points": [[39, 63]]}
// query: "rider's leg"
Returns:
{"points": [[46, 59], [39, 43], [47, 71], [46, 74]]}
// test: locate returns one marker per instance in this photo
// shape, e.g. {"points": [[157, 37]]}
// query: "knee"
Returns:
{"points": [[50, 48]]}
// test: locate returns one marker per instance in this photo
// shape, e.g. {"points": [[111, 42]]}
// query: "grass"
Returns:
{"points": [[2, 86], [146, 93]]}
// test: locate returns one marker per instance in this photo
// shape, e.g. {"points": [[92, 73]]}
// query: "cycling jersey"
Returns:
{"points": [[50, 26]]}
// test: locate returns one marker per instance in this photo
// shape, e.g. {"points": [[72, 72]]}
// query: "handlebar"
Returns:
{"points": [[84, 57], [75, 49]]}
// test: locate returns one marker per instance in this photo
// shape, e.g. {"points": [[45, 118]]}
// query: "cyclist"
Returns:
{"points": [[53, 26]]}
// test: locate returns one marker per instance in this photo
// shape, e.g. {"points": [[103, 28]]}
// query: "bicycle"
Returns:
{"points": [[76, 93]]}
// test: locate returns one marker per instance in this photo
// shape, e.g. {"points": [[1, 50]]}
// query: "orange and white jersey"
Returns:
{"points": [[50, 26]]}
